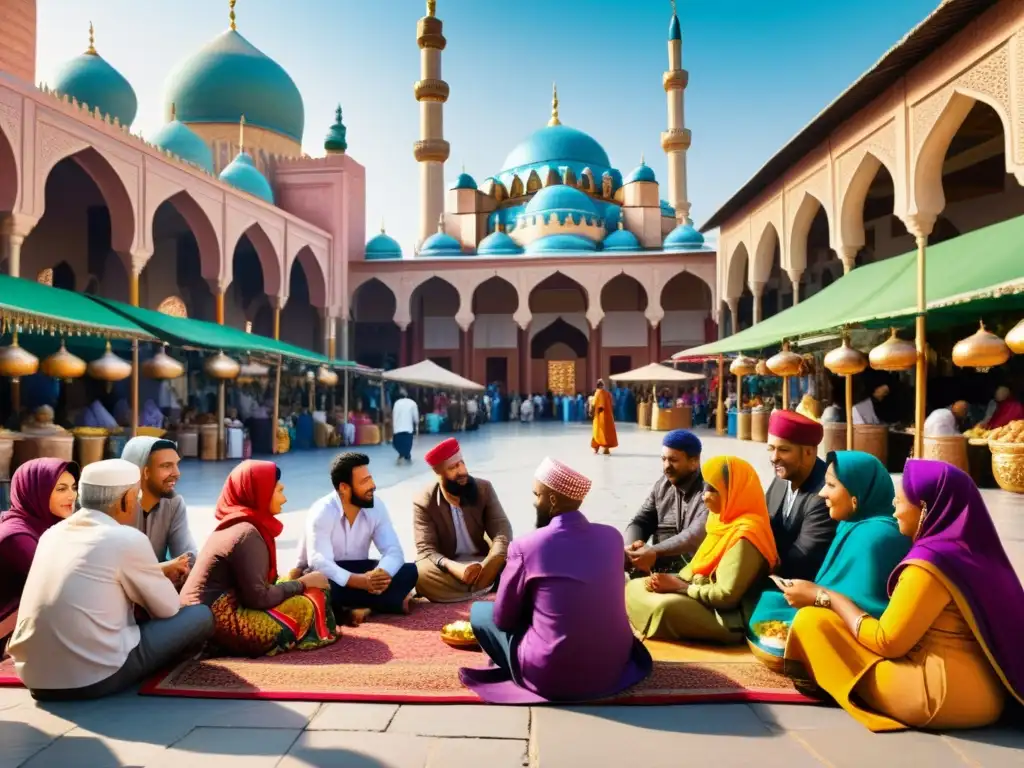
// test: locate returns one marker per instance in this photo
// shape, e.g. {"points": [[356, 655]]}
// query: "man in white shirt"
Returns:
{"points": [[945, 422], [405, 417], [76, 636], [339, 529]]}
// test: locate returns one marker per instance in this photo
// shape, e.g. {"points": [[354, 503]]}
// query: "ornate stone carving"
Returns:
{"points": [[54, 145], [1019, 96], [675, 80], [10, 123], [675, 139], [436, 150], [431, 90]]}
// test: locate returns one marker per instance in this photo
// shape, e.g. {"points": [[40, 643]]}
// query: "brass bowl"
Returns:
{"points": [[785, 363], [894, 354], [458, 634], [1008, 465], [982, 350], [743, 366], [845, 360], [63, 365]]}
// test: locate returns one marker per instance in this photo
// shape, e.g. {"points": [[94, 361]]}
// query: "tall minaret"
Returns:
{"points": [[676, 140], [431, 150]]}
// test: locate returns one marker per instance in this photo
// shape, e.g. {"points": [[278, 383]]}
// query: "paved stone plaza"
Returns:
{"points": [[132, 730]]}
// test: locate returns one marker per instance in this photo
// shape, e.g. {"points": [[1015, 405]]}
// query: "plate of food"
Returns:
{"points": [[459, 634], [772, 634]]}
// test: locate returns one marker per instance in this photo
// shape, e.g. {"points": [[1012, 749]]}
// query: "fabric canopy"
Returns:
{"points": [[429, 374], [980, 268], [657, 373]]}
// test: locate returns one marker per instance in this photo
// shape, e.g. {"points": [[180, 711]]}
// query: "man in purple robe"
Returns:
{"points": [[558, 630]]}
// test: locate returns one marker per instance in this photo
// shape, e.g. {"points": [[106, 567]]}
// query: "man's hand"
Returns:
{"points": [[378, 580], [642, 557], [471, 572], [314, 580], [176, 570], [664, 583]]}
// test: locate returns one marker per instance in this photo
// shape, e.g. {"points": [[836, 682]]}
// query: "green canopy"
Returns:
{"points": [[982, 270]]}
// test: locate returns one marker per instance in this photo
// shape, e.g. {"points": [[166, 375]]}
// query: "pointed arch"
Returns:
{"points": [[373, 301], [495, 296], [557, 281], [314, 276], [533, 182], [624, 293], [760, 267], [801, 229], [559, 332], [10, 178], [273, 280], [516, 188], [201, 227], [851, 207], [736, 272]]}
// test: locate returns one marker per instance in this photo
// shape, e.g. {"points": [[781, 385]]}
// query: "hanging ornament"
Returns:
{"points": [[761, 369], [845, 360], [326, 376], [1015, 339], [110, 367], [254, 370], [17, 362], [982, 350], [220, 366], [63, 365], [743, 366], [162, 366], [785, 363], [894, 354]]}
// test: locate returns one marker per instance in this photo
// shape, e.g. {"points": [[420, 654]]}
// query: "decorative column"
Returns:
{"points": [[920, 226], [794, 278], [594, 355], [848, 255], [403, 345], [13, 231], [465, 321], [654, 342], [431, 151], [277, 303], [676, 140], [523, 340], [346, 346], [758, 290], [734, 313], [329, 333]]}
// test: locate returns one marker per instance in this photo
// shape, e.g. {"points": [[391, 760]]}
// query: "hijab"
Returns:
{"points": [[743, 515], [246, 499], [957, 542], [31, 487]]}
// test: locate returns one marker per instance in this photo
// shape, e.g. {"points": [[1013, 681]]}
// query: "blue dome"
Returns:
{"points": [[90, 79], [684, 238], [465, 181], [560, 244], [674, 33], [558, 143], [178, 138], [667, 209], [242, 174], [561, 200], [229, 77], [441, 244], [622, 240], [498, 244], [642, 172], [383, 246]]}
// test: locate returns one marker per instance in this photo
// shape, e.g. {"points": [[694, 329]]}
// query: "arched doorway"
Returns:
{"points": [[686, 300], [437, 337], [176, 267], [737, 291], [301, 321], [375, 337], [559, 303], [255, 275], [495, 334], [625, 338], [8, 188], [776, 288]]}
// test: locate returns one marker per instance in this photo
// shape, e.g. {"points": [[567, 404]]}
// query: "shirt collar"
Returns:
{"points": [[567, 520]]}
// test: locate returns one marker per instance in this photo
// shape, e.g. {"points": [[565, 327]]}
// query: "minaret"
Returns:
{"points": [[431, 151], [676, 140]]}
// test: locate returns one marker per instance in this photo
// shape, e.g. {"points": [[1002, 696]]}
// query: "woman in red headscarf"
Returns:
{"points": [[235, 574]]}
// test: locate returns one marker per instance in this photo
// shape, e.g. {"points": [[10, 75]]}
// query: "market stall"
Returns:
{"points": [[660, 419], [429, 374]]}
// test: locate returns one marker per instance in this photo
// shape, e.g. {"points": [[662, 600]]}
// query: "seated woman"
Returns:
{"points": [[868, 545], [703, 601], [43, 492], [236, 574], [947, 649]]}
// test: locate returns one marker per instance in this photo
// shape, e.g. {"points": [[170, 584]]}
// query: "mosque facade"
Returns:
{"points": [[550, 272]]}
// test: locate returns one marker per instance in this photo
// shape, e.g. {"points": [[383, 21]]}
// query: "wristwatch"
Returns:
{"points": [[822, 599]]}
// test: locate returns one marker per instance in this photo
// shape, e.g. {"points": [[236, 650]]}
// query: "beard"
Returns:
{"points": [[160, 492], [543, 518], [468, 493], [363, 502]]}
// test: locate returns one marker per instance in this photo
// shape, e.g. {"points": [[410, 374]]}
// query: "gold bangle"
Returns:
{"points": [[822, 599], [856, 624]]}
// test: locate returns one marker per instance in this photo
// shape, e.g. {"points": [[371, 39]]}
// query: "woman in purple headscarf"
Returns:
{"points": [[43, 492], [947, 650]]}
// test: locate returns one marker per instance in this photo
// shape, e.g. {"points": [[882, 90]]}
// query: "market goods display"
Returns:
{"points": [[1011, 433], [458, 634]]}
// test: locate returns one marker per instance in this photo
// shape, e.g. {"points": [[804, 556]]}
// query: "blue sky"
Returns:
{"points": [[759, 71]]}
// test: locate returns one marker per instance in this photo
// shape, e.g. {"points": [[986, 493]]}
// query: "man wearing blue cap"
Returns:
{"points": [[673, 516]]}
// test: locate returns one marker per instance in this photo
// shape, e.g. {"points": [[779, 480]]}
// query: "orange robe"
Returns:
{"points": [[604, 435]]}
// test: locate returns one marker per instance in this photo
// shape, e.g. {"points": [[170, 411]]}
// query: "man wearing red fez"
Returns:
{"points": [[461, 530], [800, 520]]}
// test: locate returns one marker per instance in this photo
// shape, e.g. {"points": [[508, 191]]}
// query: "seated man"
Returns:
{"points": [[673, 517], [164, 517], [558, 629], [76, 637], [339, 529], [451, 517]]}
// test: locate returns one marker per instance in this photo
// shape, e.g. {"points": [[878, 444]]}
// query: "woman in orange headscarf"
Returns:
{"points": [[235, 574], [703, 601]]}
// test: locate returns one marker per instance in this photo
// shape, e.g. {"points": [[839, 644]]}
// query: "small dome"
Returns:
{"points": [[667, 209], [674, 33], [557, 144], [561, 200], [383, 246], [684, 238], [465, 181], [441, 244], [560, 244], [178, 138], [642, 172], [621, 240], [241, 173], [90, 79], [498, 244], [336, 136]]}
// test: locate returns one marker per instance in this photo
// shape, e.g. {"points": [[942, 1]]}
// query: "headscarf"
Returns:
{"points": [[31, 487], [957, 542], [744, 514], [246, 499]]}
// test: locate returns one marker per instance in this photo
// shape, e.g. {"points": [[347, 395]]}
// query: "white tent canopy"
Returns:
{"points": [[429, 374], [657, 373]]}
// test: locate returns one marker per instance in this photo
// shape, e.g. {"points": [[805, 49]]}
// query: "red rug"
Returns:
{"points": [[403, 660]]}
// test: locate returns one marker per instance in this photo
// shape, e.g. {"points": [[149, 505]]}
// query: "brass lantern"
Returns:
{"points": [[743, 366], [894, 354], [761, 369], [845, 360], [254, 370], [17, 362], [163, 366], [110, 367], [982, 350], [220, 366], [63, 365], [326, 376], [1015, 339], [785, 363]]}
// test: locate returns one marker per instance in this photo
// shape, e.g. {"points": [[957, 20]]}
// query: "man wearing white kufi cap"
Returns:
{"points": [[558, 630], [76, 636]]}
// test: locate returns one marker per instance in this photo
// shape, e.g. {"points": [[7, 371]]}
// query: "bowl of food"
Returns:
{"points": [[459, 634]]}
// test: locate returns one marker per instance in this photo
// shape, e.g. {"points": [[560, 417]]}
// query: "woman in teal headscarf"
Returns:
{"points": [[868, 546]]}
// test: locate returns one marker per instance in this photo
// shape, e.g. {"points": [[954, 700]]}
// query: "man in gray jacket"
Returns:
{"points": [[164, 517]]}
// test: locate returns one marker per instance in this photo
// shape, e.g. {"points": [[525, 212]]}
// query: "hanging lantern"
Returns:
{"points": [[63, 365], [743, 366], [326, 376], [982, 350], [1015, 339], [17, 362], [894, 354], [785, 363], [110, 367], [845, 360], [220, 366], [162, 366], [761, 369], [253, 370]]}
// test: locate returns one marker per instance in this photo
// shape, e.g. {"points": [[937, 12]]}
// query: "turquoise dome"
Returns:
{"points": [[562, 201], [621, 240], [441, 244], [667, 209], [90, 79], [560, 244], [229, 77], [241, 173], [336, 137], [465, 181], [674, 33], [178, 138], [498, 244], [559, 144], [642, 172], [684, 238], [383, 246]]}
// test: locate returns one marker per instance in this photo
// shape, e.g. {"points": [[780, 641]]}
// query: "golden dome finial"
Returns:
{"points": [[92, 41], [241, 134], [382, 225], [431, 8], [231, 14], [554, 106], [174, 112]]}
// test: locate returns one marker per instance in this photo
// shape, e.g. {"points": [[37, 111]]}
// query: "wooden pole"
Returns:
{"points": [[277, 321], [221, 434], [849, 412], [720, 426], [921, 372], [347, 381], [277, 405], [785, 393], [135, 387], [220, 307]]}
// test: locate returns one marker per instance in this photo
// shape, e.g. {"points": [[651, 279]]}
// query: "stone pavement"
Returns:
{"points": [[131, 730]]}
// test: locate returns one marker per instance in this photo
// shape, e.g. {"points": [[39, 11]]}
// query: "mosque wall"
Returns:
{"points": [[261, 144], [160, 278], [492, 332], [624, 329], [18, 50]]}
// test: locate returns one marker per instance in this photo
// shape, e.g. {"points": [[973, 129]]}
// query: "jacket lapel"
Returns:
{"points": [[442, 513]]}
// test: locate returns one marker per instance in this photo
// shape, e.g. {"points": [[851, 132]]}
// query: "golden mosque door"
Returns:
{"points": [[562, 377]]}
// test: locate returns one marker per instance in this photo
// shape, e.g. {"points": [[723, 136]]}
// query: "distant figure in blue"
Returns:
{"points": [[581, 407]]}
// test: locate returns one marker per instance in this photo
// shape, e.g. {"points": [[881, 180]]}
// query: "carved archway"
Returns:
{"points": [[736, 274], [315, 277], [803, 218], [375, 336], [270, 264], [9, 176], [495, 296], [559, 332], [542, 296], [766, 252], [851, 212], [201, 228], [301, 322], [624, 293]]}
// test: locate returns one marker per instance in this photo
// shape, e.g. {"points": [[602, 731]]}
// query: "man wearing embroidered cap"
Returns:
{"points": [[558, 630], [76, 636], [451, 518], [803, 528]]}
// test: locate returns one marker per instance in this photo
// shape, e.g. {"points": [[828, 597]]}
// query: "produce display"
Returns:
{"points": [[1010, 433], [90, 432], [459, 630]]}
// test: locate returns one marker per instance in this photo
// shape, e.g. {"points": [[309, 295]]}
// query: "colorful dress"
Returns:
{"points": [[604, 434]]}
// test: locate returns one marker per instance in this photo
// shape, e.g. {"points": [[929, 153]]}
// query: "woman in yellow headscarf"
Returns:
{"points": [[703, 601]]}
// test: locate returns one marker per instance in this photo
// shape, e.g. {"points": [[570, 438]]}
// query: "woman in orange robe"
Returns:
{"points": [[604, 436]]}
